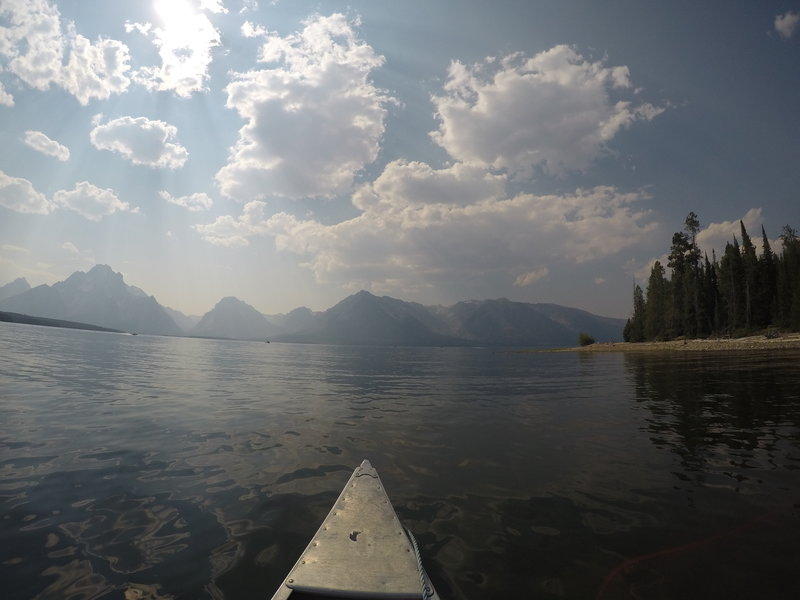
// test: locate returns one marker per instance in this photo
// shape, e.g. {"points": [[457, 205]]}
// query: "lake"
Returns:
{"points": [[154, 467]]}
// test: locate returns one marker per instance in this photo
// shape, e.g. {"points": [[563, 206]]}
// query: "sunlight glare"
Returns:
{"points": [[178, 22], [174, 13]]}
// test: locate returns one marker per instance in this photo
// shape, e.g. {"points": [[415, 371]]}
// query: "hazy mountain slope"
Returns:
{"points": [[366, 319], [232, 318], [185, 322], [40, 301], [602, 329], [505, 323], [99, 297], [296, 321], [17, 286]]}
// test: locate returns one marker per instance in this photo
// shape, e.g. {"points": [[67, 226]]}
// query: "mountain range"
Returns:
{"points": [[102, 298]]}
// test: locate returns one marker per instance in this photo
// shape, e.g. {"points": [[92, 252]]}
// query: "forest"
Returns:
{"points": [[739, 293]]}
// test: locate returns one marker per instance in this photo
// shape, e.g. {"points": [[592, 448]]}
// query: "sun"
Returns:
{"points": [[182, 28], [184, 36], [175, 14]]}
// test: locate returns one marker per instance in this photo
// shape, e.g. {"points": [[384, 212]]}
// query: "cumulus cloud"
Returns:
{"points": [[313, 120], [41, 143], [716, 235], [786, 24], [19, 195], [6, 99], [40, 54], [232, 231], [554, 111], [95, 70], [712, 239], [459, 185], [192, 202], [142, 141], [90, 201], [407, 236], [185, 40], [213, 6]]}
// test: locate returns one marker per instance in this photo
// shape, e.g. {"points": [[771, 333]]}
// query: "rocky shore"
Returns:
{"points": [[786, 341]]}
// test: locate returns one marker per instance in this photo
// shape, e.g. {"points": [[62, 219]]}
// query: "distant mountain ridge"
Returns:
{"points": [[367, 319], [101, 297], [232, 318], [14, 288]]}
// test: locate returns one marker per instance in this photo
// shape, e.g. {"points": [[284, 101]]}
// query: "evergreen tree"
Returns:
{"points": [[634, 328], [710, 297], [656, 312], [679, 263], [788, 284], [749, 264], [693, 278], [741, 291], [767, 282], [731, 286]]}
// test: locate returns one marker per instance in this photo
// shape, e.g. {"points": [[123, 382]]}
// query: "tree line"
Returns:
{"points": [[740, 292]]}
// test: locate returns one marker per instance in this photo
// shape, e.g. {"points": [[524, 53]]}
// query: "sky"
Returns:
{"points": [[291, 153]]}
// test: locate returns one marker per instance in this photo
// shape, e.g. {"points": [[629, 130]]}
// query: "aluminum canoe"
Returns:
{"points": [[360, 551]]}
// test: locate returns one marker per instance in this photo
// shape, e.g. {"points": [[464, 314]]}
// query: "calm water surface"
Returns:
{"points": [[151, 467]]}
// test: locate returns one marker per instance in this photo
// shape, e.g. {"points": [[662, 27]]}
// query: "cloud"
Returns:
{"points": [[531, 277], [70, 247], [192, 202], [95, 70], [19, 195], [90, 201], [408, 234], [142, 141], [712, 238], [313, 120], [458, 185], [213, 6], [552, 111], [184, 41], [786, 24], [716, 235], [6, 99], [41, 143], [40, 54], [230, 231]]}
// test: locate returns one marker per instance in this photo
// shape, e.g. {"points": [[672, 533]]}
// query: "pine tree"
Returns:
{"points": [[739, 292], [788, 283], [678, 262], [710, 297], [750, 264], [731, 286], [634, 328], [656, 312], [767, 282], [693, 280]]}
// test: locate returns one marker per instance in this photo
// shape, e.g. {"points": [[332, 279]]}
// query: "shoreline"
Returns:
{"points": [[787, 341]]}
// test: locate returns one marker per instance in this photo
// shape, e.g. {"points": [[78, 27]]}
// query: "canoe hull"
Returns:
{"points": [[360, 551]]}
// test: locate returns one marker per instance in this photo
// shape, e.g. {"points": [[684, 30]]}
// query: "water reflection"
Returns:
{"points": [[726, 416], [154, 467]]}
